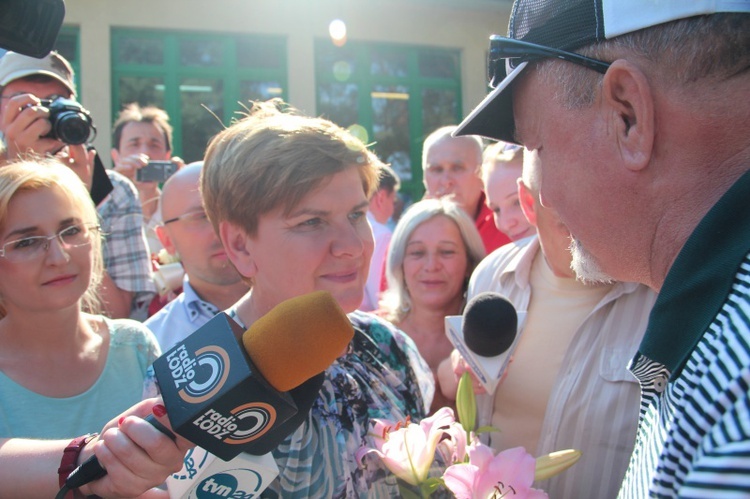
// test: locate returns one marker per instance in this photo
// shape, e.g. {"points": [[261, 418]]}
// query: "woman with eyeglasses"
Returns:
{"points": [[63, 372]]}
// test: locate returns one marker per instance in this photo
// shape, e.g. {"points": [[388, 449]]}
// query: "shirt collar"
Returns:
{"points": [[519, 267], [195, 306], [700, 279]]}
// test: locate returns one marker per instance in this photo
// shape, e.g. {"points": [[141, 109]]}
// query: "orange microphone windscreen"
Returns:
{"points": [[298, 339]]}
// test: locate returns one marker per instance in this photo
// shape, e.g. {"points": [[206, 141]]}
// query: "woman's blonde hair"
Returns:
{"points": [[47, 173], [500, 154], [396, 301]]}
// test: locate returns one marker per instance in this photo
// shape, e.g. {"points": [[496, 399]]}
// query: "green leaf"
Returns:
{"points": [[466, 403], [430, 485]]}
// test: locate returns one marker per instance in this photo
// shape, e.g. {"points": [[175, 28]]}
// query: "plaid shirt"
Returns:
{"points": [[126, 257]]}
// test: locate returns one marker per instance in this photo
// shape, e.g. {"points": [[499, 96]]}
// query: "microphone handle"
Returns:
{"points": [[91, 470]]}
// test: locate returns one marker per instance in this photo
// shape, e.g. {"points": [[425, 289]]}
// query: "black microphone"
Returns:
{"points": [[230, 397], [485, 336]]}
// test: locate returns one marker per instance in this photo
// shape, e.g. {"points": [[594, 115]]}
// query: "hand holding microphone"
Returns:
{"points": [[230, 397], [485, 336], [136, 457]]}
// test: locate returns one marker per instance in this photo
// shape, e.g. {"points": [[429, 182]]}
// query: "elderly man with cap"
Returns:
{"points": [[25, 82], [639, 111]]}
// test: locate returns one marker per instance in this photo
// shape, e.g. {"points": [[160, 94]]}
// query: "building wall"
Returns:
{"points": [[462, 24]]}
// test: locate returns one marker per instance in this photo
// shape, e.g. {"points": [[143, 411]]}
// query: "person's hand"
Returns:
{"points": [[137, 456], [79, 159], [180, 162], [129, 165], [460, 366], [24, 123]]}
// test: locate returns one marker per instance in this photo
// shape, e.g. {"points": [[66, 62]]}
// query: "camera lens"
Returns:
{"points": [[72, 128]]}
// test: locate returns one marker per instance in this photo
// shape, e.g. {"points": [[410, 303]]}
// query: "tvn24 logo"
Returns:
{"points": [[226, 485]]}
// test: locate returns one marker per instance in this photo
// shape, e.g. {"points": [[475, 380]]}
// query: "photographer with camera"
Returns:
{"points": [[34, 92], [142, 151], [40, 116]]}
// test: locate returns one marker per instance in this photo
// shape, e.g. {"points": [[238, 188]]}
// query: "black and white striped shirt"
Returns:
{"points": [[694, 366]]}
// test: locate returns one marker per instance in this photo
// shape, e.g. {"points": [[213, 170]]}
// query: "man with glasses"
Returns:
{"points": [[639, 112], [211, 283], [127, 285]]}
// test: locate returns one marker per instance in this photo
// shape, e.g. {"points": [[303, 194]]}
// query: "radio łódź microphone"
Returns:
{"points": [[228, 397], [485, 336]]}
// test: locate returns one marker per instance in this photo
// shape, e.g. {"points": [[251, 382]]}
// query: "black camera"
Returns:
{"points": [[71, 123], [156, 171]]}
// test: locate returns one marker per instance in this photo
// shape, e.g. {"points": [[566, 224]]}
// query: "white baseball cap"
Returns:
{"points": [[14, 66]]}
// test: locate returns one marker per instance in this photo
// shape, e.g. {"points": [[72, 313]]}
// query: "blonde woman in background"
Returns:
{"points": [[502, 164], [434, 249]]}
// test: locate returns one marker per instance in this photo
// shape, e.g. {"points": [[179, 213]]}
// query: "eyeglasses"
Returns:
{"points": [[193, 218], [507, 53], [30, 248]]}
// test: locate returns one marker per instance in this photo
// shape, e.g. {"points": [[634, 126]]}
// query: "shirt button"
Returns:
{"points": [[660, 383]]}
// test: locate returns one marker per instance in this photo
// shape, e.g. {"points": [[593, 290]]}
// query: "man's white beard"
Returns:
{"points": [[585, 265]]}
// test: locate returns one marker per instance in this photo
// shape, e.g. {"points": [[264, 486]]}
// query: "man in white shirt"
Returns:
{"points": [[211, 283], [568, 385], [380, 210]]}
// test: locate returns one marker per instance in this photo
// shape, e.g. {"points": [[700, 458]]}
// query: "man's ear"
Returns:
{"points": [[378, 199], [527, 200], [115, 156], [238, 245], [166, 241], [627, 93]]}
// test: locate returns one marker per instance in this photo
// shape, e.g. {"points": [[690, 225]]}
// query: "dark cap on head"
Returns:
{"points": [[565, 25]]}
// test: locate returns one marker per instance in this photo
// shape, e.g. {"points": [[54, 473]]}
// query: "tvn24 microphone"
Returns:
{"points": [[485, 336], [228, 397]]}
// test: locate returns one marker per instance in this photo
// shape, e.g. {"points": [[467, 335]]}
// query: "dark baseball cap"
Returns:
{"points": [[541, 29]]}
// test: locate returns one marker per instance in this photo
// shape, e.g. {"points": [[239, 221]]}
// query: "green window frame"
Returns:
{"points": [[392, 96], [183, 71]]}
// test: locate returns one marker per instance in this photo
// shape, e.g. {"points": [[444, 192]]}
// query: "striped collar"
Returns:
{"points": [[700, 279]]}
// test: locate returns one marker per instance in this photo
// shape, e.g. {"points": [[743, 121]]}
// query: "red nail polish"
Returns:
{"points": [[159, 410], [119, 423]]}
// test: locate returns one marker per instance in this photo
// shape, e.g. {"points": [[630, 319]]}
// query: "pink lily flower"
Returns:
{"points": [[508, 474], [453, 449], [409, 450]]}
